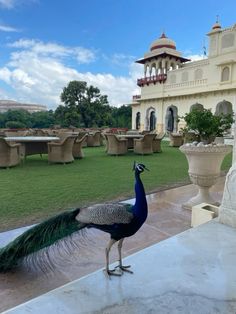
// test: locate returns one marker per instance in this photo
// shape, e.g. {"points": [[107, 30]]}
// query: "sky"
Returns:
{"points": [[45, 44]]}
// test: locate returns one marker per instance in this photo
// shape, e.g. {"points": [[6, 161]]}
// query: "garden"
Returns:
{"points": [[36, 190]]}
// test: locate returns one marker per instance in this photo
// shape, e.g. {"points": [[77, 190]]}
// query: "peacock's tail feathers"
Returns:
{"points": [[38, 238]]}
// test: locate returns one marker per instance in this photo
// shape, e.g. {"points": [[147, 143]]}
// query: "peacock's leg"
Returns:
{"points": [[122, 267], [107, 270]]}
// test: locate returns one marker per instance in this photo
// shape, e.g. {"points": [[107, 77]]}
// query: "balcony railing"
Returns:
{"points": [[161, 78], [136, 97]]}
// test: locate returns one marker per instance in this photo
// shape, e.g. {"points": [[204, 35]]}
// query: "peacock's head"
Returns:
{"points": [[139, 168]]}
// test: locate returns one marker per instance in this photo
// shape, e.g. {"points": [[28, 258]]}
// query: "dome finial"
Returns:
{"points": [[217, 25], [163, 35]]}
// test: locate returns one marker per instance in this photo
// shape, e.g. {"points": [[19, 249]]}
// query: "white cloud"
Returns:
{"points": [[37, 73], [5, 75], [6, 28], [195, 57], [11, 4], [82, 55]]}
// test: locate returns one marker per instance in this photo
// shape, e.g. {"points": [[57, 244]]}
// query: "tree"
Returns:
{"points": [[122, 117], [207, 125], [42, 119], [84, 104], [66, 116], [21, 117]]}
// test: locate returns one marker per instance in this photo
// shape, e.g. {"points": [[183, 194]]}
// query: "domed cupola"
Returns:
{"points": [[159, 60], [163, 42], [216, 26]]}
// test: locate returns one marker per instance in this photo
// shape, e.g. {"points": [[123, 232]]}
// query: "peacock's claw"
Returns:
{"points": [[125, 268], [111, 272]]}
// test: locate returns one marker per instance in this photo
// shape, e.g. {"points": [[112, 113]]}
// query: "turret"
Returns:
{"points": [[161, 58]]}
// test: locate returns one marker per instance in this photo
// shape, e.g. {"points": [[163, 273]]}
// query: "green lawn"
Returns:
{"points": [[35, 190]]}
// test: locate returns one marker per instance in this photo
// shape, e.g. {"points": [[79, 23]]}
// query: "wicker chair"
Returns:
{"points": [[61, 152], [9, 154], [16, 133], [63, 135], [143, 146], [176, 139], [77, 147], [116, 146], [93, 140], [156, 144], [80, 135]]}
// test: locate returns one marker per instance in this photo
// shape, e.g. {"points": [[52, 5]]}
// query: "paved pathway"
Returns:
{"points": [[166, 218]]}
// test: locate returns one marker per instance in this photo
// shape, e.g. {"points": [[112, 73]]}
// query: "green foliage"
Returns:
{"points": [[15, 125], [207, 125], [122, 117], [42, 119], [24, 119], [84, 105], [224, 122], [17, 118]]}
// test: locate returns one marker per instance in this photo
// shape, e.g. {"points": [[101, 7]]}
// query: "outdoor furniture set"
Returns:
{"points": [[62, 149], [141, 144]]}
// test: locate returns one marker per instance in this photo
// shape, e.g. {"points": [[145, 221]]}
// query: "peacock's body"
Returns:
{"points": [[119, 220]]}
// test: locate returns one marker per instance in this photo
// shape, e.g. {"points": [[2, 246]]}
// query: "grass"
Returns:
{"points": [[36, 190]]}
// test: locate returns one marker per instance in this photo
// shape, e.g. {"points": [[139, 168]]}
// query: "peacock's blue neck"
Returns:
{"points": [[140, 206]]}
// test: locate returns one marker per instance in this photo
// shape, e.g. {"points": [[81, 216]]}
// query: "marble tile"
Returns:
{"points": [[193, 272]]}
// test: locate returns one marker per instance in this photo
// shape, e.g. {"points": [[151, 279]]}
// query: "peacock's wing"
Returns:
{"points": [[106, 214]]}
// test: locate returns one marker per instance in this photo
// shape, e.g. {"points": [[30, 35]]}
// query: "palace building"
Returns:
{"points": [[172, 85], [6, 105]]}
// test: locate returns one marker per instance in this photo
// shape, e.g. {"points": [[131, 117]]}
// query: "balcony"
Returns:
{"points": [[161, 78], [136, 97]]}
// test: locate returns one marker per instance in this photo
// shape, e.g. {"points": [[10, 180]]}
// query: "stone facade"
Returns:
{"points": [[172, 84]]}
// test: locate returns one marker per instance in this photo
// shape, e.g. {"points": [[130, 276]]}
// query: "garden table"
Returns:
{"points": [[130, 138], [31, 145]]}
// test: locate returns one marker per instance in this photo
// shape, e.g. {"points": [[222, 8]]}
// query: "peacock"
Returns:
{"points": [[118, 219]]}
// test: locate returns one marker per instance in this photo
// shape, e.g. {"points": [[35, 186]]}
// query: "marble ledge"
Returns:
{"points": [[193, 272]]}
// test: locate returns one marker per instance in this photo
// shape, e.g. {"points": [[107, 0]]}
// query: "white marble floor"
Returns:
{"points": [[192, 272]]}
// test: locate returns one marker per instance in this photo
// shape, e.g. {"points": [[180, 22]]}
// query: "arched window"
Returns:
{"points": [[224, 107], [196, 106], [184, 76], [152, 121], [146, 72], [171, 119], [198, 74], [173, 79], [225, 74], [153, 69], [138, 116]]}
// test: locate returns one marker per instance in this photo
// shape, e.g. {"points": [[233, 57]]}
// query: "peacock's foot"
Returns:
{"points": [[112, 272], [125, 268]]}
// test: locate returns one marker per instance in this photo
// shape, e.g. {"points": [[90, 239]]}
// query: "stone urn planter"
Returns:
{"points": [[204, 168]]}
